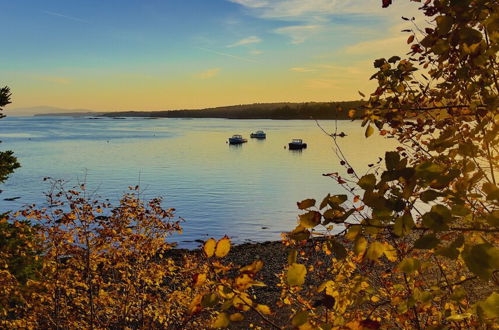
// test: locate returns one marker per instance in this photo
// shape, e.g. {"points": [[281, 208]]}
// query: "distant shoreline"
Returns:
{"points": [[276, 111]]}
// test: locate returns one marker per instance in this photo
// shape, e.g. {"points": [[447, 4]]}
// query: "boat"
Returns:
{"points": [[237, 139], [258, 135], [297, 144]]}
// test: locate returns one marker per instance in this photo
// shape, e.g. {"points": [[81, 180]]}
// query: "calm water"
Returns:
{"points": [[217, 188]]}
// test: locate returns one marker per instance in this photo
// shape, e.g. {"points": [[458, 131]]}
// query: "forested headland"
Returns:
{"points": [[308, 110]]}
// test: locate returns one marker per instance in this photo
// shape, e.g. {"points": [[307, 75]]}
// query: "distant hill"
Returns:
{"points": [[49, 111], [308, 110]]}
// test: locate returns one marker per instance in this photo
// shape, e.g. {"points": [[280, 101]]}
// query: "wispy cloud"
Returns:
{"points": [[227, 55], [76, 19], [256, 52], [301, 70], [246, 41], [293, 9], [390, 45], [298, 33], [210, 73]]}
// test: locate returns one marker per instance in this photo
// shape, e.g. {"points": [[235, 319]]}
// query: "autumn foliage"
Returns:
{"points": [[412, 242]]}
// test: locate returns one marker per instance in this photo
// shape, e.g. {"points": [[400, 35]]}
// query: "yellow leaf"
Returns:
{"points": [[255, 267], [360, 245], [209, 247], [236, 317], [390, 252], [369, 131], [264, 309], [243, 282], [199, 279], [222, 321], [242, 302], [223, 247], [375, 250], [296, 274]]}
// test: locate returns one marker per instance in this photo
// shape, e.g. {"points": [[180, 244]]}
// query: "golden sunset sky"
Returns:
{"points": [[178, 54]]}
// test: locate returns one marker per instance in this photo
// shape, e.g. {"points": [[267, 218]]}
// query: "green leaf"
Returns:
{"points": [[305, 204], [409, 265], [325, 201], [493, 218], [403, 225], [437, 218], [429, 195], [336, 200], [460, 210], [369, 131], [427, 242], [296, 274], [367, 182], [451, 251], [392, 160], [393, 59], [310, 219], [300, 318], [481, 259], [444, 24], [428, 169], [489, 308], [209, 300], [300, 233], [338, 249]]}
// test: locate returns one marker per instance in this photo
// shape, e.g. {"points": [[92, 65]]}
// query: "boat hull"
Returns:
{"points": [[237, 141], [296, 146]]}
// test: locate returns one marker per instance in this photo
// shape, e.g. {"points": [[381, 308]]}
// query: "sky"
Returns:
{"points": [[180, 54]]}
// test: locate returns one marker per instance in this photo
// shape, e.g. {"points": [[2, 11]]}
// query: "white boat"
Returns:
{"points": [[297, 144], [258, 135], [237, 139]]}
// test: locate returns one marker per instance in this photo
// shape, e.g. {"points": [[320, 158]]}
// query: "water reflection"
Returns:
{"points": [[219, 190]]}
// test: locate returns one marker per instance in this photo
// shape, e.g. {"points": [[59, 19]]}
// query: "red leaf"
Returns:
{"points": [[386, 3]]}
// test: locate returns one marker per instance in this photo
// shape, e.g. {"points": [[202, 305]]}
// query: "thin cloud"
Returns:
{"points": [[208, 73], [256, 52], [307, 9], [298, 33], [287, 9], [245, 41], [227, 55], [76, 19], [302, 70]]}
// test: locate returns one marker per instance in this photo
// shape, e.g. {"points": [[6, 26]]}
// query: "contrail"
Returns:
{"points": [[76, 19]]}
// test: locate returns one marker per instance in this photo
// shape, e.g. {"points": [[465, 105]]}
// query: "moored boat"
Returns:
{"points": [[258, 135], [237, 139], [297, 144]]}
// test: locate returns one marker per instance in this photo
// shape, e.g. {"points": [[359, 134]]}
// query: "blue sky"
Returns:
{"points": [[152, 54]]}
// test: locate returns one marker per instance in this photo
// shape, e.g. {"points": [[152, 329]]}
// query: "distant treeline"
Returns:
{"points": [[308, 110]]}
